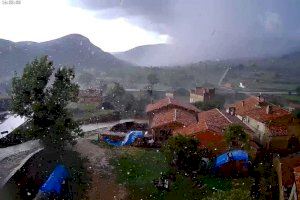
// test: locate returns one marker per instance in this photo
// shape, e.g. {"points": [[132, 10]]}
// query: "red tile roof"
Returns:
{"points": [[213, 120], [278, 130], [260, 114], [256, 108], [173, 116], [170, 102], [212, 141], [236, 120], [241, 107]]}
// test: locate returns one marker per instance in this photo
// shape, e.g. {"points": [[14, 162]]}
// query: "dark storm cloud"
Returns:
{"points": [[212, 28], [154, 10]]}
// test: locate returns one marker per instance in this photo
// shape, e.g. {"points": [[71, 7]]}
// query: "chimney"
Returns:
{"points": [[260, 99], [232, 110], [269, 109], [243, 103]]}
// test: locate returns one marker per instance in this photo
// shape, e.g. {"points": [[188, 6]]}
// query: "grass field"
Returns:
{"points": [[137, 168]]}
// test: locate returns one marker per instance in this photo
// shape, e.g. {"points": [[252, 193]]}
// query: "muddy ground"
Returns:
{"points": [[103, 185]]}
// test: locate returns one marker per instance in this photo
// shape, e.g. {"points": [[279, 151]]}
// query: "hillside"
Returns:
{"points": [[72, 50], [177, 54], [147, 55]]}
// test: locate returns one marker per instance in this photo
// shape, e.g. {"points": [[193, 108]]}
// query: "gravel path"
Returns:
{"points": [[103, 185]]}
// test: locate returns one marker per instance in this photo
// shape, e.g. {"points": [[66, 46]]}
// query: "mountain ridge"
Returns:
{"points": [[70, 50], [174, 55]]}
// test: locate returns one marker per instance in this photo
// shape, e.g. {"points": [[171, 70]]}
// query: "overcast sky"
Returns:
{"points": [[195, 25], [42, 20]]}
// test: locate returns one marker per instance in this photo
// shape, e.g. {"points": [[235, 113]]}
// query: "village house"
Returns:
{"points": [[201, 94], [180, 94], [167, 115], [272, 125], [210, 130], [90, 96]]}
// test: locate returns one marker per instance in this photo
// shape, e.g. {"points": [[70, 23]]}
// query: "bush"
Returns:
{"points": [[236, 136], [183, 153]]}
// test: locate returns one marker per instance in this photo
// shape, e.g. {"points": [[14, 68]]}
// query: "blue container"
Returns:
{"points": [[129, 139], [55, 180], [235, 155]]}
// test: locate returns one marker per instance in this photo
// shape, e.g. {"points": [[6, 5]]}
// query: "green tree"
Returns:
{"points": [[265, 179], [115, 95], [121, 100], [236, 136], [183, 153], [44, 104]]}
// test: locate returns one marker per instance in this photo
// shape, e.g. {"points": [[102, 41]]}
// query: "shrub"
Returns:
{"points": [[236, 136], [183, 153]]}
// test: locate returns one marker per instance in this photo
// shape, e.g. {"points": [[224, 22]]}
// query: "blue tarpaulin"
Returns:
{"points": [[129, 139], [236, 155], [55, 180]]}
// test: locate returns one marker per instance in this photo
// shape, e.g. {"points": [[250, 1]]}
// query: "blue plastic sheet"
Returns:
{"points": [[55, 180], [236, 155], [129, 139]]}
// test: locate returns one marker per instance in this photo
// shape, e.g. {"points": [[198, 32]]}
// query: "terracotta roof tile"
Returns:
{"points": [[213, 120], [235, 120], [278, 130], [246, 105], [256, 108], [260, 114], [173, 116], [170, 102]]}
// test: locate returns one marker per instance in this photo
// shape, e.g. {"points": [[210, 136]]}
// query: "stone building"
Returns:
{"points": [[200, 94]]}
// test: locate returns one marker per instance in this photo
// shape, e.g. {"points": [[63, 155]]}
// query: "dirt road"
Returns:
{"points": [[103, 185]]}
